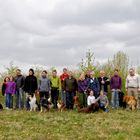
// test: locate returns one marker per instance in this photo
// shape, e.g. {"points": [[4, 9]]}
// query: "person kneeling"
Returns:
{"points": [[103, 101], [91, 101]]}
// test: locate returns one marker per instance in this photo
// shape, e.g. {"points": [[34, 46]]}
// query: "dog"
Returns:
{"points": [[129, 102], [90, 109], [121, 95], [33, 103], [61, 106], [76, 100], [45, 105]]}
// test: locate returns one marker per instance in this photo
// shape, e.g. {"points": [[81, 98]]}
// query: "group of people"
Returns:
{"points": [[89, 88]]}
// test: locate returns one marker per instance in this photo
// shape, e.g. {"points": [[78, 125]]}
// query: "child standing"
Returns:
{"points": [[10, 91], [103, 101]]}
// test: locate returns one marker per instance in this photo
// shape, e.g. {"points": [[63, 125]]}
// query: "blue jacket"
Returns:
{"points": [[93, 84]]}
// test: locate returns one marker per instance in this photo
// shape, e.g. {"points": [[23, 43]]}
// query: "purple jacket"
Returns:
{"points": [[82, 85], [10, 87], [116, 82]]}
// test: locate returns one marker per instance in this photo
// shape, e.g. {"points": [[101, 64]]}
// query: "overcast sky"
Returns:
{"points": [[59, 32]]}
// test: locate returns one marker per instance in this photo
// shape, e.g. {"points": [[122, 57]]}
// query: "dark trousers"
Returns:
{"points": [[69, 99], [54, 96], [44, 94]]}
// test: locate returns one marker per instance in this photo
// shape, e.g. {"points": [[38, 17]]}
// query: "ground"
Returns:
{"points": [[115, 125]]}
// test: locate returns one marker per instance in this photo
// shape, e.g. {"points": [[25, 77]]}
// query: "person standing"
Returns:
{"points": [[133, 85], [93, 84], [82, 87], [30, 86], [10, 91], [19, 80], [55, 87], [63, 77], [103, 82], [115, 86], [44, 86], [70, 88]]}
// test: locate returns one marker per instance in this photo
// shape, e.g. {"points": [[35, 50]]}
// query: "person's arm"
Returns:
{"points": [[111, 83], [88, 101], [120, 87], [107, 81], [59, 83], [14, 88], [126, 83], [107, 102]]}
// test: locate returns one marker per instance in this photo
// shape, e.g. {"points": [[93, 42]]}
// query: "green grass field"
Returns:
{"points": [[69, 125]]}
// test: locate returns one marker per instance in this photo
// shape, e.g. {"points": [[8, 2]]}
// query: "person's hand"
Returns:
{"points": [[138, 89], [112, 90], [102, 82], [118, 90]]}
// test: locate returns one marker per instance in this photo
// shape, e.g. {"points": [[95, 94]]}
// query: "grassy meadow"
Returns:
{"points": [[70, 125]]}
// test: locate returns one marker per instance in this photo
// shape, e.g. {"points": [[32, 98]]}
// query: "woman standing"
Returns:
{"points": [[30, 86], [10, 91], [82, 87]]}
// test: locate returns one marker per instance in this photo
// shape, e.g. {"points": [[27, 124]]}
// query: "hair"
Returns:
{"points": [[54, 71], [32, 70], [18, 70], [44, 71], [6, 78], [64, 69], [116, 70]]}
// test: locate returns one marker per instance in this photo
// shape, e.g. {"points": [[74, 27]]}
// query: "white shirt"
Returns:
{"points": [[133, 81], [91, 100]]}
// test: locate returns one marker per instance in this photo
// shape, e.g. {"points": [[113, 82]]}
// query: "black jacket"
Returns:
{"points": [[70, 85], [30, 85], [105, 86]]}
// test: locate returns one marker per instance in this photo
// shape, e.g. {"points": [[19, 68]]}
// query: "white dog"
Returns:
{"points": [[32, 102]]}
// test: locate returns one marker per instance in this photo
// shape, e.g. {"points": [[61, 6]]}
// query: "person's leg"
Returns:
{"points": [[129, 92], [10, 100], [112, 99], [17, 98], [53, 96], [117, 99], [72, 94], [85, 100], [27, 101], [56, 97], [67, 100], [63, 97], [21, 98], [7, 101], [46, 94], [137, 97]]}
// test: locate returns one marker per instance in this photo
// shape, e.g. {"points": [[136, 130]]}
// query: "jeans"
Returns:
{"points": [[19, 98], [69, 100], [9, 100], [115, 98], [63, 97], [102, 106]]}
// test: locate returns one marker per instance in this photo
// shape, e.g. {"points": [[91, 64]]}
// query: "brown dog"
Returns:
{"points": [[129, 102], [61, 106], [76, 101], [90, 109]]}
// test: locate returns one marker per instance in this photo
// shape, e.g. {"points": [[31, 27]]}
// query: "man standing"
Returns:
{"points": [[19, 80], [115, 86], [70, 87], [93, 84], [133, 85], [103, 82], [55, 87], [63, 77], [44, 86]]}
